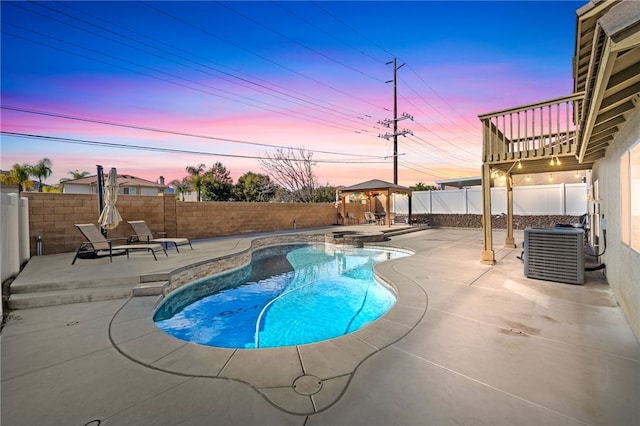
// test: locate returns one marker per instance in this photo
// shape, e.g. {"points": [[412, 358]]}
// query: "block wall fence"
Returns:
{"points": [[53, 216]]}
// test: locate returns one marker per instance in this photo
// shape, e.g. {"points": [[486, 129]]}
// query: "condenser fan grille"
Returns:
{"points": [[554, 254]]}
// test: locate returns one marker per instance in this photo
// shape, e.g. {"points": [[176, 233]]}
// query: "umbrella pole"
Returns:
{"points": [[100, 195]]}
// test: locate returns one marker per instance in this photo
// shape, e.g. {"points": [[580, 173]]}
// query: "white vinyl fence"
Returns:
{"points": [[568, 199], [14, 234]]}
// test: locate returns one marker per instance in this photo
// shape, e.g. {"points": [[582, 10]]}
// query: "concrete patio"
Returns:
{"points": [[465, 344]]}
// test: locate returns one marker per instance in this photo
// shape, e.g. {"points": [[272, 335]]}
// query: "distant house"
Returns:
{"points": [[12, 188], [7, 189], [129, 185]]}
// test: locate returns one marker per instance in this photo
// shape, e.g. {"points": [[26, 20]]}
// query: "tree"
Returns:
{"points": [[424, 187], [78, 175], [293, 171], [53, 189], [18, 175], [181, 186], [196, 180], [217, 184], [254, 187], [324, 194], [41, 170]]}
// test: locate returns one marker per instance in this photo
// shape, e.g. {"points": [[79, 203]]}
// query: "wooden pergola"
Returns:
{"points": [[379, 186]]}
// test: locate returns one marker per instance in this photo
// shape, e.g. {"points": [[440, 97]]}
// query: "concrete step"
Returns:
{"points": [[17, 288], [81, 295], [408, 230]]}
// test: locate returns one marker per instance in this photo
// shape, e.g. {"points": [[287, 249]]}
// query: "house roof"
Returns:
{"points": [[123, 180], [376, 185], [461, 182], [607, 69]]}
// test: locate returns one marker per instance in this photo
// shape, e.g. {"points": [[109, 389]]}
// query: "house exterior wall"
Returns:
{"points": [[70, 188], [623, 263]]}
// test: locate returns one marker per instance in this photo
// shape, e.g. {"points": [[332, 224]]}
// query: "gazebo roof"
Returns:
{"points": [[376, 185]]}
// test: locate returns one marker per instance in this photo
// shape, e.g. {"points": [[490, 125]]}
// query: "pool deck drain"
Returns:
{"points": [[277, 373], [461, 364], [307, 385]]}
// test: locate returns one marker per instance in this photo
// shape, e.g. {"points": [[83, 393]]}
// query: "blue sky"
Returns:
{"points": [[247, 77]]}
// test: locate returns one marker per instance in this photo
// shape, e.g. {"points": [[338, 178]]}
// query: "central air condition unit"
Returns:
{"points": [[554, 254]]}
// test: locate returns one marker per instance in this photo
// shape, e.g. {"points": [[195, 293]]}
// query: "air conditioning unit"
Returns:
{"points": [[554, 254]]}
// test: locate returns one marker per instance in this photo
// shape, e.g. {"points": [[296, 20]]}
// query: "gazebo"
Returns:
{"points": [[379, 186]]}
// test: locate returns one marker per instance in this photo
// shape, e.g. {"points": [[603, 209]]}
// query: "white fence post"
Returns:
{"points": [[10, 242], [466, 201], [14, 234]]}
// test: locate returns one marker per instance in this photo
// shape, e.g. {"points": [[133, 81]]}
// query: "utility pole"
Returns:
{"points": [[395, 120]]}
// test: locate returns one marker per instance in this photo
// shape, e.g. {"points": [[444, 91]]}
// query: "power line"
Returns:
{"points": [[282, 91], [177, 83], [171, 132], [159, 149], [441, 98], [314, 51], [249, 101], [181, 58], [316, 81]]}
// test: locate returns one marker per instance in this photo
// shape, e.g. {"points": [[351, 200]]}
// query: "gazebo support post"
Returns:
{"points": [[387, 216]]}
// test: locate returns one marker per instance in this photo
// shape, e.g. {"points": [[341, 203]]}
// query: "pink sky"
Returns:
{"points": [[331, 102]]}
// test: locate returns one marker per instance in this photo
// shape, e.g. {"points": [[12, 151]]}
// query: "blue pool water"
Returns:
{"points": [[288, 295]]}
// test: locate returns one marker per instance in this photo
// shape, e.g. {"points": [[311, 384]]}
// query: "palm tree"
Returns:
{"points": [[181, 186], [78, 175], [41, 170], [197, 180], [18, 175]]}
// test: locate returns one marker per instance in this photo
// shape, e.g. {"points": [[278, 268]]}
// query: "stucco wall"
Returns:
{"points": [[53, 216], [623, 263], [203, 220]]}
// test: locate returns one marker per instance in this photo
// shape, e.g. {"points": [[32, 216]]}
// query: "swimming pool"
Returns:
{"points": [[287, 295]]}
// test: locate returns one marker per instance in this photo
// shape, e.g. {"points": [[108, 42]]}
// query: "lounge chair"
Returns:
{"points": [[98, 246], [143, 234]]}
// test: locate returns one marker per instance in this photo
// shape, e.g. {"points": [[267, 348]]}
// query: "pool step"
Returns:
{"points": [[414, 228], [63, 296]]}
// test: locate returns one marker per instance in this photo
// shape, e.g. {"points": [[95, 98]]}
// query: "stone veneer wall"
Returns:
{"points": [[207, 268], [497, 221], [53, 216]]}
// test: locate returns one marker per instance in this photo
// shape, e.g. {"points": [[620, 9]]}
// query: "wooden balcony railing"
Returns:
{"points": [[540, 130]]}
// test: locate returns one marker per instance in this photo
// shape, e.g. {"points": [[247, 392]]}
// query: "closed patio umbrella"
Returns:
{"points": [[110, 217]]}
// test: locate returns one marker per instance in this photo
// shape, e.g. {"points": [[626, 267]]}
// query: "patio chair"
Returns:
{"points": [[370, 217], [143, 234], [351, 218], [98, 246]]}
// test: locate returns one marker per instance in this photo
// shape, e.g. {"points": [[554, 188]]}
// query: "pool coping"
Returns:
{"points": [[303, 379]]}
